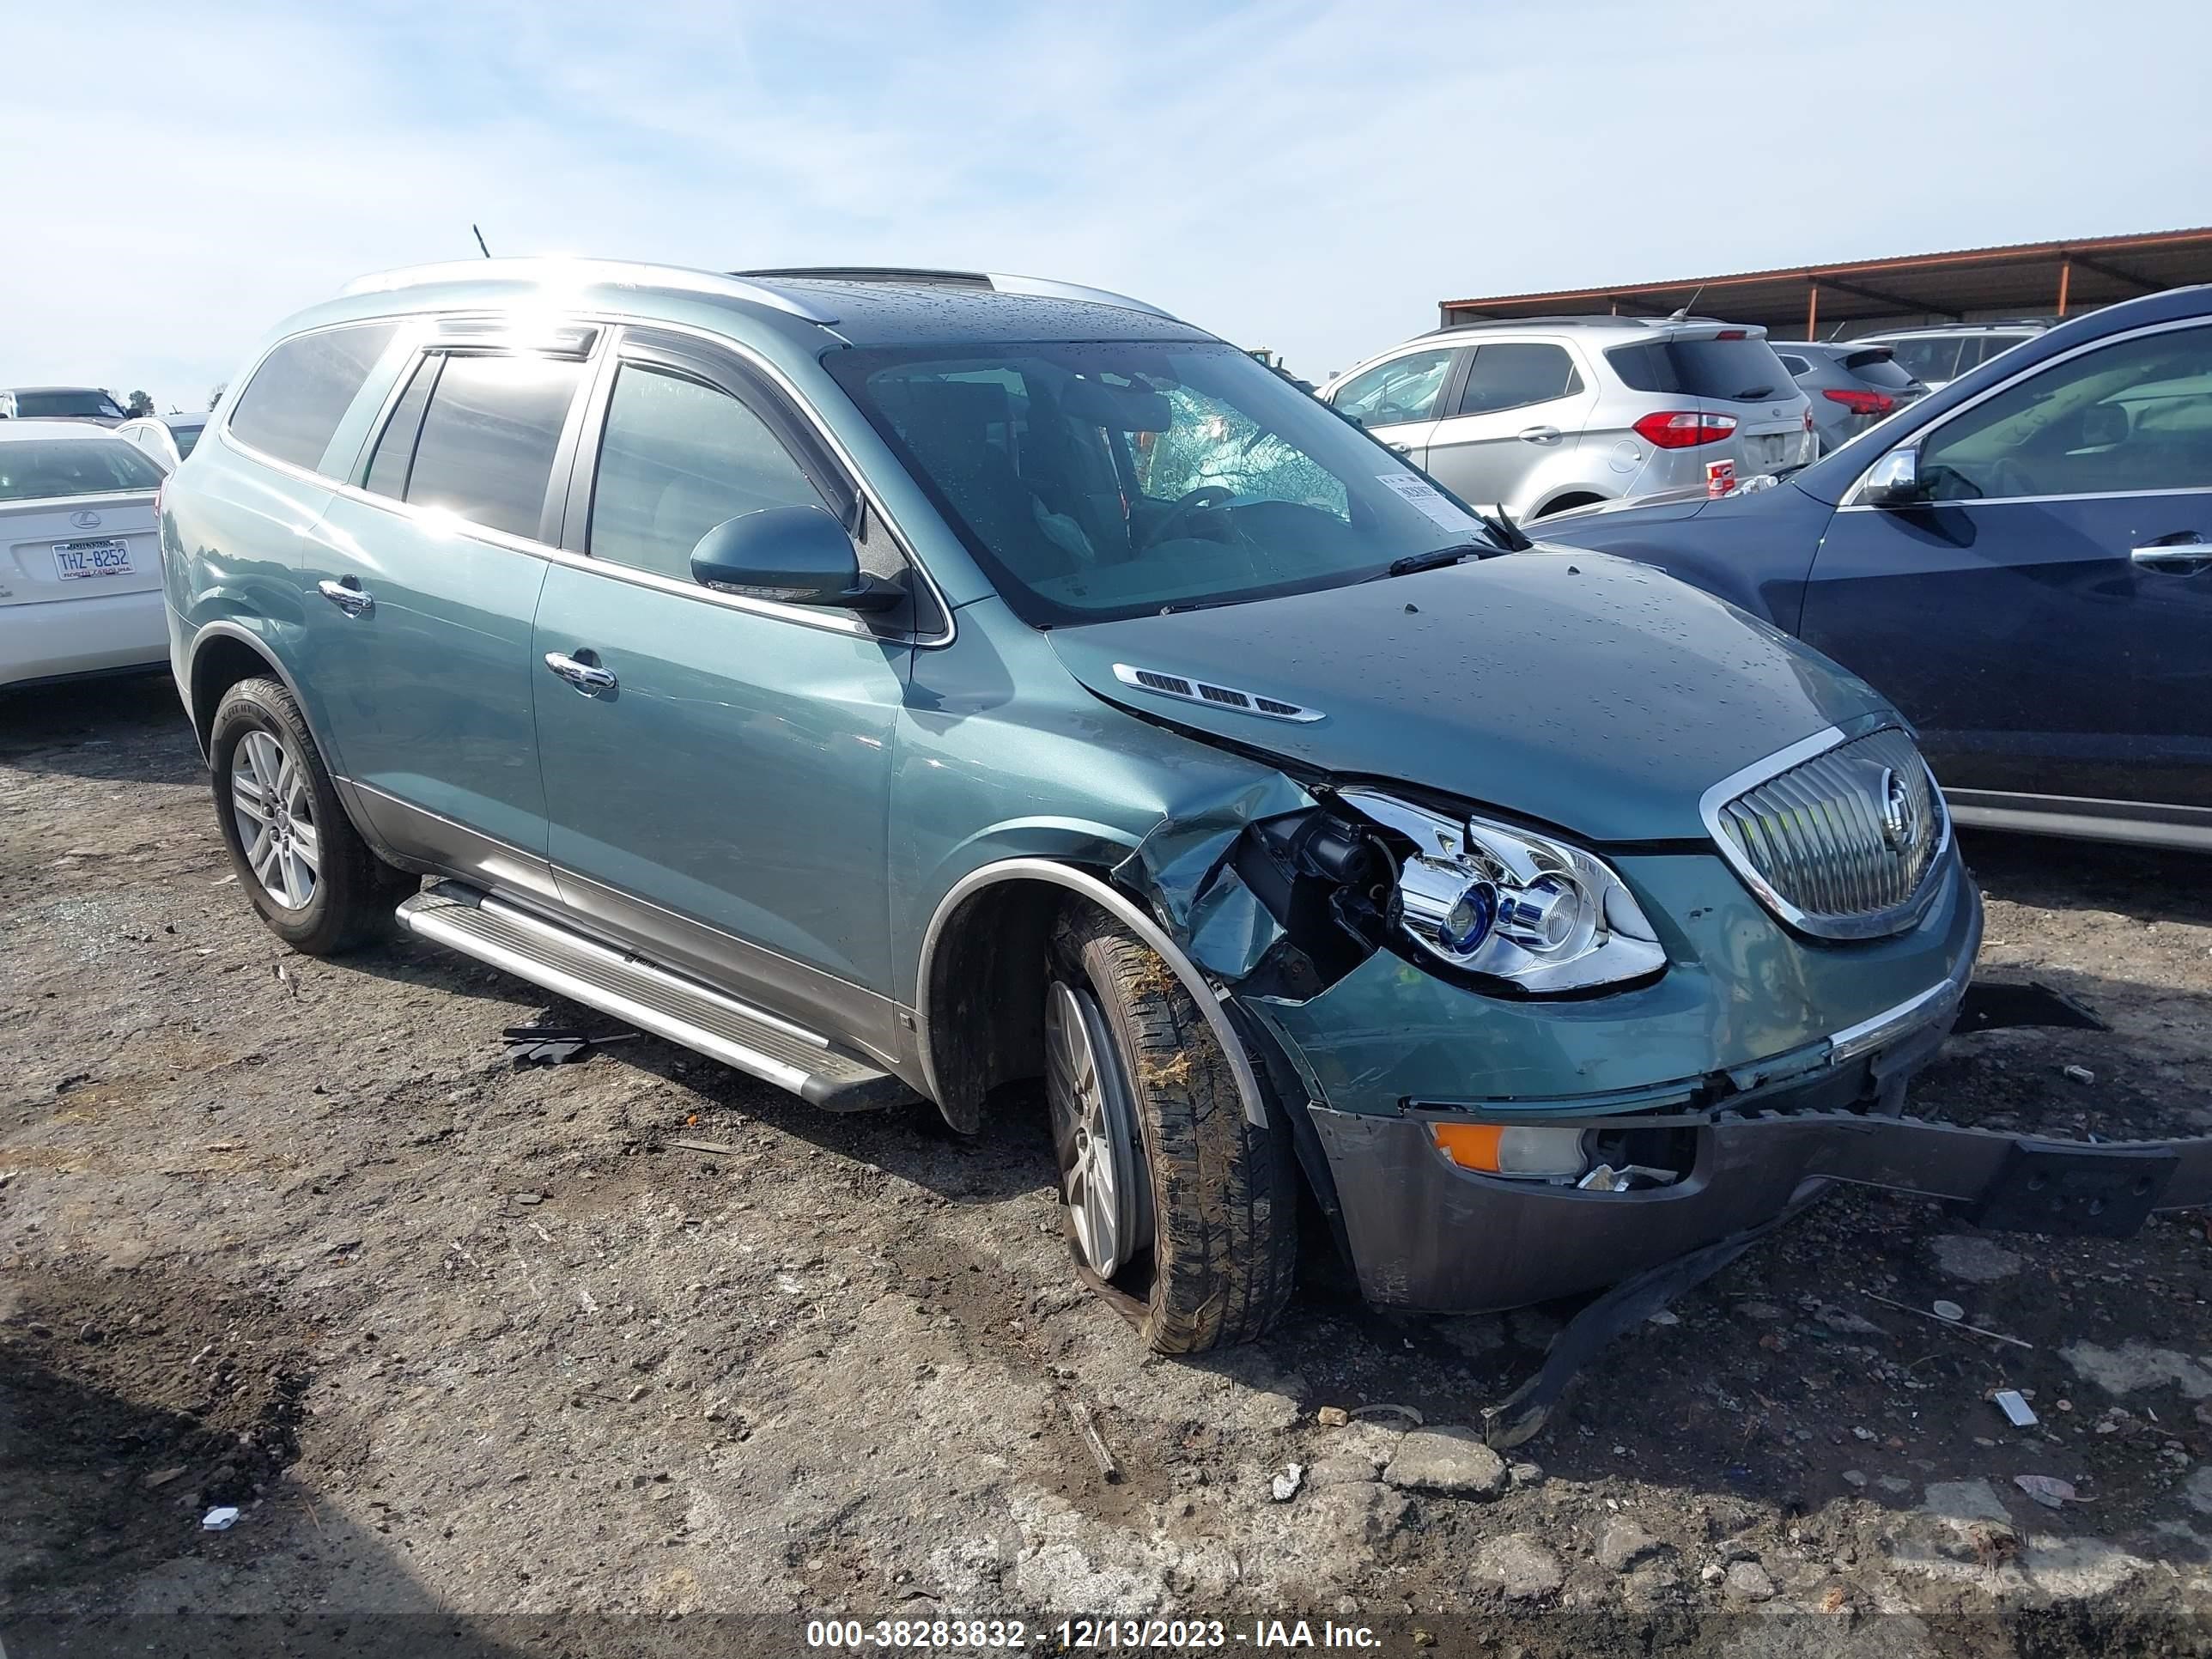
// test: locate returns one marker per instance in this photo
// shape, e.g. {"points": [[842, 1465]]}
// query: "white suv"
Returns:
{"points": [[1542, 414]]}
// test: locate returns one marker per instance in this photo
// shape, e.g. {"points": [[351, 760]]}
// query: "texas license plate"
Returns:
{"points": [[74, 561]]}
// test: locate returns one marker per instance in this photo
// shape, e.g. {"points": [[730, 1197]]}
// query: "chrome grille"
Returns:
{"points": [[1840, 843]]}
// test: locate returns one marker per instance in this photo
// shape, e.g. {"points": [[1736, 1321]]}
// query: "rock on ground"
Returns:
{"points": [[1518, 1568], [1748, 1581], [1623, 1544], [1976, 1260], [2134, 1365], [1450, 1461]]}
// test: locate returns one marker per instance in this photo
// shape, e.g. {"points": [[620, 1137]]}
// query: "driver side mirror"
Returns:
{"points": [[791, 555], [1895, 480]]}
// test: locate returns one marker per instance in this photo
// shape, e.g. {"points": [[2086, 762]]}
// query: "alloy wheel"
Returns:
{"points": [[275, 811], [1094, 1130]]}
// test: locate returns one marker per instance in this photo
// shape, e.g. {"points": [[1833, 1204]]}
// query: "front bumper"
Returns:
{"points": [[1427, 1234], [1424, 1233], [1781, 1064]]}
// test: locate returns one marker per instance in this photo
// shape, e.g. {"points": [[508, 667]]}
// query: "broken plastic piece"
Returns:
{"points": [[2015, 1407], [221, 1519], [553, 1045], [2046, 1490]]}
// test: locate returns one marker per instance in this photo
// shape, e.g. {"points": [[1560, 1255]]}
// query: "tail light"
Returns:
{"points": [[1860, 403], [1684, 429]]}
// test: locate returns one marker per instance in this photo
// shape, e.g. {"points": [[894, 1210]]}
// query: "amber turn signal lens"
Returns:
{"points": [[1470, 1146], [1539, 1151]]}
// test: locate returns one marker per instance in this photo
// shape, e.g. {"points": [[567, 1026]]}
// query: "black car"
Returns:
{"points": [[60, 403], [2021, 561]]}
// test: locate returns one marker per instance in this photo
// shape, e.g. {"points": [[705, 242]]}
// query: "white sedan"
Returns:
{"points": [[80, 555], [168, 438]]}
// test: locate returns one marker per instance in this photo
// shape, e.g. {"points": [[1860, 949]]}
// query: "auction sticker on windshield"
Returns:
{"points": [[1433, 501], [74, 561]]}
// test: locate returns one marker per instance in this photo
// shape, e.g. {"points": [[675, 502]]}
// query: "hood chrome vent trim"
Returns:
{"points": [[1186, 687]]}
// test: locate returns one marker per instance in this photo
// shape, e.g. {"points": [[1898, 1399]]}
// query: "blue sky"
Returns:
{"points": [[1308, 175]]}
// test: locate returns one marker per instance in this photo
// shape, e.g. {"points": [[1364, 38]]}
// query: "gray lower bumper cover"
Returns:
{"points": [[1425, 1234]]}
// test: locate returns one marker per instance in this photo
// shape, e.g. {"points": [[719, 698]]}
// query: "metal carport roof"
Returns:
{"points": [[1967, 284]]}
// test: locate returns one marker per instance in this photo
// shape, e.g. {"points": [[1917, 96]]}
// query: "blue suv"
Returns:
{"points": [[923, 686]]}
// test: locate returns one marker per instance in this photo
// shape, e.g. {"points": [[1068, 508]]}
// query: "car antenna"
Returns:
{"points": [[480, 242], [1683, 315], [1838, 330]]}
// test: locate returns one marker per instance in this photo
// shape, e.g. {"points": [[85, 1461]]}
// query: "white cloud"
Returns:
{"points": [[1311, 176]]}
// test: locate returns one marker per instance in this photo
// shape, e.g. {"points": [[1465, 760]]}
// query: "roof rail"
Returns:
{"points": [[914, 274], [579, 273], [1597, 318], [997, 282]]}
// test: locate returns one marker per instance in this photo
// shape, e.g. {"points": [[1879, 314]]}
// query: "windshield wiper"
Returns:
{"points": [[1753, 395], [1434, 559]]}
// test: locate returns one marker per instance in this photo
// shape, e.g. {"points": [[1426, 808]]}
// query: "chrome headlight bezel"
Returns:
{"points": [[1561, 919]]}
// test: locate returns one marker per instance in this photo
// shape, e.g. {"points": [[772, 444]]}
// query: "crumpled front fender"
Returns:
{"points": [[1182, 871]]}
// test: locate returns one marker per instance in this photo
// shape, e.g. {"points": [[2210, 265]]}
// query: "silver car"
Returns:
{"points": [[1540, 416], [1850, 384], [1939, 354]]}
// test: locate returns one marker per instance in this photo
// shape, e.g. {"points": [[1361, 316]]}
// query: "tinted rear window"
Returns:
{"points": [[64, 406], [303, 388], [489, 438], [37, 469], [1729, 370], [1932, 357], [1877, 369]]}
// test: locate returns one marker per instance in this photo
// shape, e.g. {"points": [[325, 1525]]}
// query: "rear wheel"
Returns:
{"points": [[1170, 1195], [301, 863]]}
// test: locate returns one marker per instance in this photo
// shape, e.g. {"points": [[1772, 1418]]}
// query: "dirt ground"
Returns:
{"points": [[490, 1368]]}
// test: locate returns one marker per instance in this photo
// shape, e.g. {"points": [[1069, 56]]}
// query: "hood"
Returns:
{"points": [[1583, 690]]}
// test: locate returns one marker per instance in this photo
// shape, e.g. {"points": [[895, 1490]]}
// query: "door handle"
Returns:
{"points": [[1538, 434], [2183, 557], [587, 677], [347, 595]]}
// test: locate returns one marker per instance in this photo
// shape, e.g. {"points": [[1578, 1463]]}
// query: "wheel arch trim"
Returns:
{"points": [[1125, 910], [203, 719]]}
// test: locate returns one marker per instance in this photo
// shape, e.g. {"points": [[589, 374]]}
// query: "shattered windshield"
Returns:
{"points": [[1102, 480]]}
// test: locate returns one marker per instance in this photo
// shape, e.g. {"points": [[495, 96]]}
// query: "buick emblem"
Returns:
{"points": [[85, 520], [1899, 818]]}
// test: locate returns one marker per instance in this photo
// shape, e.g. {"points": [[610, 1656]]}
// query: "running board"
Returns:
{"points": [[651, 998]]}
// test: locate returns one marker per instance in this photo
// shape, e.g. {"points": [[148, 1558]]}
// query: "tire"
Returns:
{"points": [[1216, 1246], [305, 847]]}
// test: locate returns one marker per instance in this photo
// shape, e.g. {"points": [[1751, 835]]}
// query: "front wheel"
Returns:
{"points": [[301, 863], [1170, 1191]]}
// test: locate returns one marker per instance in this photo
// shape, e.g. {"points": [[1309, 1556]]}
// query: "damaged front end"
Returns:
{"points": [[1518, 1070]]}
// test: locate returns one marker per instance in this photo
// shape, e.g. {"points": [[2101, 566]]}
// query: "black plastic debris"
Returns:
{"points": [[1995, 1005], [554, 1045]]}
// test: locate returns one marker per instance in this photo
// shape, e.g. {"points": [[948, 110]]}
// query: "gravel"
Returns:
{"points": [[284, 1206]]}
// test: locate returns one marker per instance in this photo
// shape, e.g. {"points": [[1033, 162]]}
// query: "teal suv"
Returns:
{"points": [[903, 684]]}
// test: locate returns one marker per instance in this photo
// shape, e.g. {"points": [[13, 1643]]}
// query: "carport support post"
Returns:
{"points": [[1812, 310], [2065, 279]]}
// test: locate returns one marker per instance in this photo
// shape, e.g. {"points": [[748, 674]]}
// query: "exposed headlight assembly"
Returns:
{"points": [[1509, 905]]}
